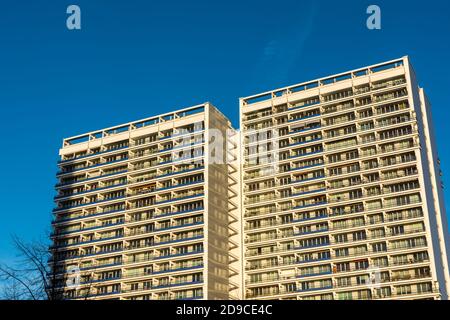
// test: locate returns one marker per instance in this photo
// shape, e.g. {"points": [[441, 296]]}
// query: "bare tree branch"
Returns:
{"points": [[9, 274], [33, 276]]}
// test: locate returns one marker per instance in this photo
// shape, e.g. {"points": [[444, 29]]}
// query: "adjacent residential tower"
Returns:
{"points": [[342, 195], [143, 212]]}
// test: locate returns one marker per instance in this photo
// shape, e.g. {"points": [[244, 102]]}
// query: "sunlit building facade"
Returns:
{"points": [[341, 195], [331, 191], [142, 212]]}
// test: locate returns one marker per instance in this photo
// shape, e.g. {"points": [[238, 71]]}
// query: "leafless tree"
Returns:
{"points": [[32, 277], [35, 276]]}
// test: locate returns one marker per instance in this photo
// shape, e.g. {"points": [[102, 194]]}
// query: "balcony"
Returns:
{"points": [[303, 118], [59, 173], [87, 216], [88, 191], [89, 179], [170, 285], [92, 154], [305, 129], [180, 198], [88, 203], [180, 185], [319, 203], [167, 214], [178, 172], [302, 142]]}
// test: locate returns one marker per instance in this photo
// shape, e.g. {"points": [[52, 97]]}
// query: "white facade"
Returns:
{"points": [[142, 212], [346, 202]]}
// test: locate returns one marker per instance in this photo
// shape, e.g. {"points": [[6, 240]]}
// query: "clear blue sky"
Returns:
{"points": [[137, 58]]}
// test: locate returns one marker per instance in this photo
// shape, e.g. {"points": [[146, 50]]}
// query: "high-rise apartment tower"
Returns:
{"points": [[342, 196], [144, 213]]}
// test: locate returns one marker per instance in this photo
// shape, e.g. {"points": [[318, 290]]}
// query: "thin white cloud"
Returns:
{"points": [[280, 53]]}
